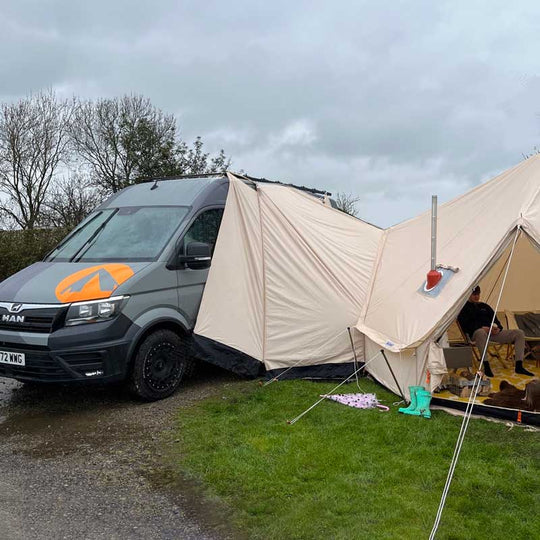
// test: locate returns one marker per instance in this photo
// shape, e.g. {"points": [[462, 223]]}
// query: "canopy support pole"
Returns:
{"points": [[353, 349]]}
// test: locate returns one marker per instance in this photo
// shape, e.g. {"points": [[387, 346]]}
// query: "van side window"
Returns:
{"points": [[205, 228]]}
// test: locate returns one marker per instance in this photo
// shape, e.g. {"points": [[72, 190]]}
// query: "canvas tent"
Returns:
{"points": [[289, 275], [474, 232]]}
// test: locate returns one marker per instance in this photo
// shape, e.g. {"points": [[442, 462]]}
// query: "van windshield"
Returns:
{"points": [[135, 233]]}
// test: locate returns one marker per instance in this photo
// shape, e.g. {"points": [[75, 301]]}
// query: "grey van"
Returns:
{"points": [[118, 298]]}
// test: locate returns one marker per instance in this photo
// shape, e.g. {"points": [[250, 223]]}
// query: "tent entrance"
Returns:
{"points": [[521, 295]]}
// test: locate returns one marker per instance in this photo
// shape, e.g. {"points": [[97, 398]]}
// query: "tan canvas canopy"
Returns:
{"points": [[290, 274]]}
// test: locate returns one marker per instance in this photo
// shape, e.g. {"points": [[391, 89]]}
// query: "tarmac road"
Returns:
{"points": [[86, 463]]}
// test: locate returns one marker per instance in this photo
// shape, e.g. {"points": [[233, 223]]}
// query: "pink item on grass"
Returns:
{"points": [[360, 401]]}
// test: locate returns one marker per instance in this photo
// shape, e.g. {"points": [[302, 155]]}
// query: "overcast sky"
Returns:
{"points": [[391, 101]]}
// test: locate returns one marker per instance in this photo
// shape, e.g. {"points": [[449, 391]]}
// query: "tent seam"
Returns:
{"points": [[533, 198], [263, 258]]}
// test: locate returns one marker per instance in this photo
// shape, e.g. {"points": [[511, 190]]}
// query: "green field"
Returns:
{"points": [[344, 473]]}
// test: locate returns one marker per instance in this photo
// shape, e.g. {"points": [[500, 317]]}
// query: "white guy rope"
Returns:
{"points": [[333, 390], [470, 404]]}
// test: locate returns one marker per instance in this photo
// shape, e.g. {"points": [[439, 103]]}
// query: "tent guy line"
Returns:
{"points": [[290, 422], [472, 398]]}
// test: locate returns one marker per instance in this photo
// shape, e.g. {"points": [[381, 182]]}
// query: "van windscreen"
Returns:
{"points": [[135, 233]]}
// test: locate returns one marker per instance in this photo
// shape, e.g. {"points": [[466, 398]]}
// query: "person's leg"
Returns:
{"points": [[517, 337], [480, 338]]}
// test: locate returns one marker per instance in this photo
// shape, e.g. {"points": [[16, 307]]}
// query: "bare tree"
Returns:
{"points": [[347, 203], [33, 143], [123, 139], [69, 201]]}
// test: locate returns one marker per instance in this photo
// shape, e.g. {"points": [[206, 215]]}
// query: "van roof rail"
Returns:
{"points": [[302, 188], [240, 175], [181, 177]]}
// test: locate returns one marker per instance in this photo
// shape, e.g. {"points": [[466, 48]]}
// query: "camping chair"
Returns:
{"points": [[529, 322], [458, 340], [494, 349]]}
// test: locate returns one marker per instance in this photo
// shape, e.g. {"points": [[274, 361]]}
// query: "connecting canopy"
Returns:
{"points": [[289, 275]]}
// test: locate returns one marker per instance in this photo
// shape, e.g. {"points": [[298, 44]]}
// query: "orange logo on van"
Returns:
{"points": [[93, 283]]}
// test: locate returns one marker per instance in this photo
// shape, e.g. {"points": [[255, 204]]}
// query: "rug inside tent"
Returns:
{"points": [[501, 373]]}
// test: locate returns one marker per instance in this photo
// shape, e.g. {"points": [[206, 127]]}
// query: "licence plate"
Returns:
{"points": [[13, 358]]}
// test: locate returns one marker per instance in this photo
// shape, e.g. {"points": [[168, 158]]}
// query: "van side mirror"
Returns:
{"points": [[197, 257]]}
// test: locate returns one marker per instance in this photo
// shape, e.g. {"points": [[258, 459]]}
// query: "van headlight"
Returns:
{"points": [[94, 310]]}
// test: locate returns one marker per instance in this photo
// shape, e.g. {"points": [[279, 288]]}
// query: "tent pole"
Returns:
{"points": [[392, 372], [352, 347]]}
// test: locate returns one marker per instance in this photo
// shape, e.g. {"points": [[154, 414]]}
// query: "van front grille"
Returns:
{"points": [[32, 319]]}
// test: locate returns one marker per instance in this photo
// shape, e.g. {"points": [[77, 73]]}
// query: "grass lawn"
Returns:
{"points": [[341, 472]]}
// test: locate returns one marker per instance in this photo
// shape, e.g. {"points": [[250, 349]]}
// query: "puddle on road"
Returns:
{"points": [[110, 432], [63, 434], [60, 420]]}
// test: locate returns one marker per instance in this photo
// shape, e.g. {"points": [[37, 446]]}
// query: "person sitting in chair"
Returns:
{"points": [[476, 319]]}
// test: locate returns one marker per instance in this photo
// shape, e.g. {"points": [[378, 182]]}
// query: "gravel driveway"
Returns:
{"points": [[86, 463]]}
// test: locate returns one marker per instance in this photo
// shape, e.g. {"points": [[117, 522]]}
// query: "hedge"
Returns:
{"points": [[19, 249]]}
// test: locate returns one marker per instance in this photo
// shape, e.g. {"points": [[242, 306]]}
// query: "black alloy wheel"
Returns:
{"points": [[159, 366]]}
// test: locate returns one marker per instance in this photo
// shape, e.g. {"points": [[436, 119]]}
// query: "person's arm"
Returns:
{"points": [[497, 326], [496, 321]]}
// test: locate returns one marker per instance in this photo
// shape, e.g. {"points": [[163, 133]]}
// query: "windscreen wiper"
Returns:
{"points": [[49, 256], [86, 246]]}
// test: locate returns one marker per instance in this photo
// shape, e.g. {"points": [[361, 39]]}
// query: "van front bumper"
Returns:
{"points": [[106, 363], [93, 352]]}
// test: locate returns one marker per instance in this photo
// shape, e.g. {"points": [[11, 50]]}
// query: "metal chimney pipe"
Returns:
{"points": [[433, 276], [433, 232]]}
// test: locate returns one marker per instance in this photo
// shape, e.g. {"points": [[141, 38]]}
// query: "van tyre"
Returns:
{"points": [[160, 364]]}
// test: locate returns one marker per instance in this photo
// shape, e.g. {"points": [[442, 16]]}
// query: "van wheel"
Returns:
{"points": [[159, 366]]}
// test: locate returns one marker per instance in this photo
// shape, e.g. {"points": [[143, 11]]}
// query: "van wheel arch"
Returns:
{"points": [[160, 363], [161, 325]]}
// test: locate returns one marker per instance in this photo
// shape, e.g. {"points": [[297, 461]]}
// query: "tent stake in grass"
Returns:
{"points": [[394, 377]]}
